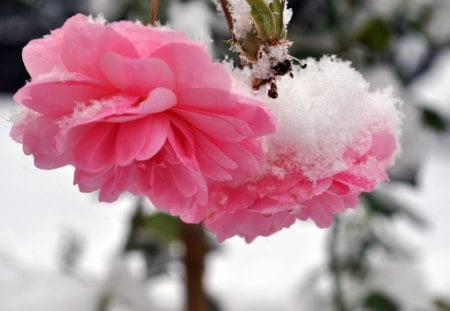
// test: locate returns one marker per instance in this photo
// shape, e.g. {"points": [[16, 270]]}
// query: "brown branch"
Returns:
{"points": [[153, 14], [226, 10], [195, 244]]}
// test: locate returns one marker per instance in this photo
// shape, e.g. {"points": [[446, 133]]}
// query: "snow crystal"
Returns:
{"points": [[242, 22], [269, 56], [287, 15], [321, 112], [99, 19], [180, 18]]}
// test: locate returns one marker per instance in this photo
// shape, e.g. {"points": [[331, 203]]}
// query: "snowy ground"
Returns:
{"points": [[39, 207]]}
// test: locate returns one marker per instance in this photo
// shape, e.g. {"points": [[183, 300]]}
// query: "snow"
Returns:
{"points": [[180, 18], [438, 26], [432, 89], [330, 104], [39, 206], [242, 21], [410, 50]]}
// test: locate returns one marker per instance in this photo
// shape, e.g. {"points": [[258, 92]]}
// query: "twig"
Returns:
{"points": [[195, 244], [226, 10], [335, 267], [153, 15]]}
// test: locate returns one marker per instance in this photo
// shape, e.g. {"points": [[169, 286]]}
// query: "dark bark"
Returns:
{"points": [[194, 261]]}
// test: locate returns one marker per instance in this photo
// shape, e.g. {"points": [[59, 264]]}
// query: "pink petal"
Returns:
{"points": [[218, 126], [248, 225], [383, 146], [38, 140], [184, 180], [319, 213], [65, 95], [182, 148], [211, 149], [207, 99], [95, 151], [259, 120], [247, 157], [159, 100], [138, 76], [148, 39], [43, 55], [155, 138], [140, 139], [167, 197], [119, 182], [193, 67], [212, 169], [89, 182], [130, 139], [365, 176], [85, 42]]}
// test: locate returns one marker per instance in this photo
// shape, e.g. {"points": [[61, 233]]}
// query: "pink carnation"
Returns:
{"points": [[336, 139], [137, 109]]}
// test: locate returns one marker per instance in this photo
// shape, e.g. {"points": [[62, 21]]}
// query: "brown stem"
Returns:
{"points": [[195, 244], [153, 15], [226, 10], [336, 269]]}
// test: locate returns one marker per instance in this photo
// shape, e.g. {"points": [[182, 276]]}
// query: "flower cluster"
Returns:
{"points": [[146, 110]]}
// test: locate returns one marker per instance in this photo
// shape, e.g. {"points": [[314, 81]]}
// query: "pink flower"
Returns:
{"points": [[281, 194], [137, 109], [335, 139]]}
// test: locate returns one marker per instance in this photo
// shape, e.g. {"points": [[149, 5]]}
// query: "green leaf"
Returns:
{"points": [[385, 205], [378, 301], [376, 35], [434, 120], [163, 226], [250, 46], [277, 8], [441, 304], [264, 19]]}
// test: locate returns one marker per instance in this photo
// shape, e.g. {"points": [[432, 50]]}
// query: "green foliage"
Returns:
{"points": [[268, 20], [277, 8], [263, 19], [382, 204], [434, 120], [441, 304], [376, 35], [163, 226], [70, 253], [379, 301], [250, 46]]}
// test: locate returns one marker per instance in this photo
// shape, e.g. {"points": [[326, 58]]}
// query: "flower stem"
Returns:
{"points": [[153, 15], [336, 268], [226, 10], [195, 243]]}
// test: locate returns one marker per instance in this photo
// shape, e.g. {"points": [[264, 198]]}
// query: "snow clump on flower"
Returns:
{"points": [[336, 138]]}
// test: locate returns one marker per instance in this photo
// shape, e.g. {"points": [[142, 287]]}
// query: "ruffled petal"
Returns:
{"points": [[95, 150], [66, 94], [138, 76], [39, 140], [42, 56], [85, 42], [148, 39], [193, 67]]}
